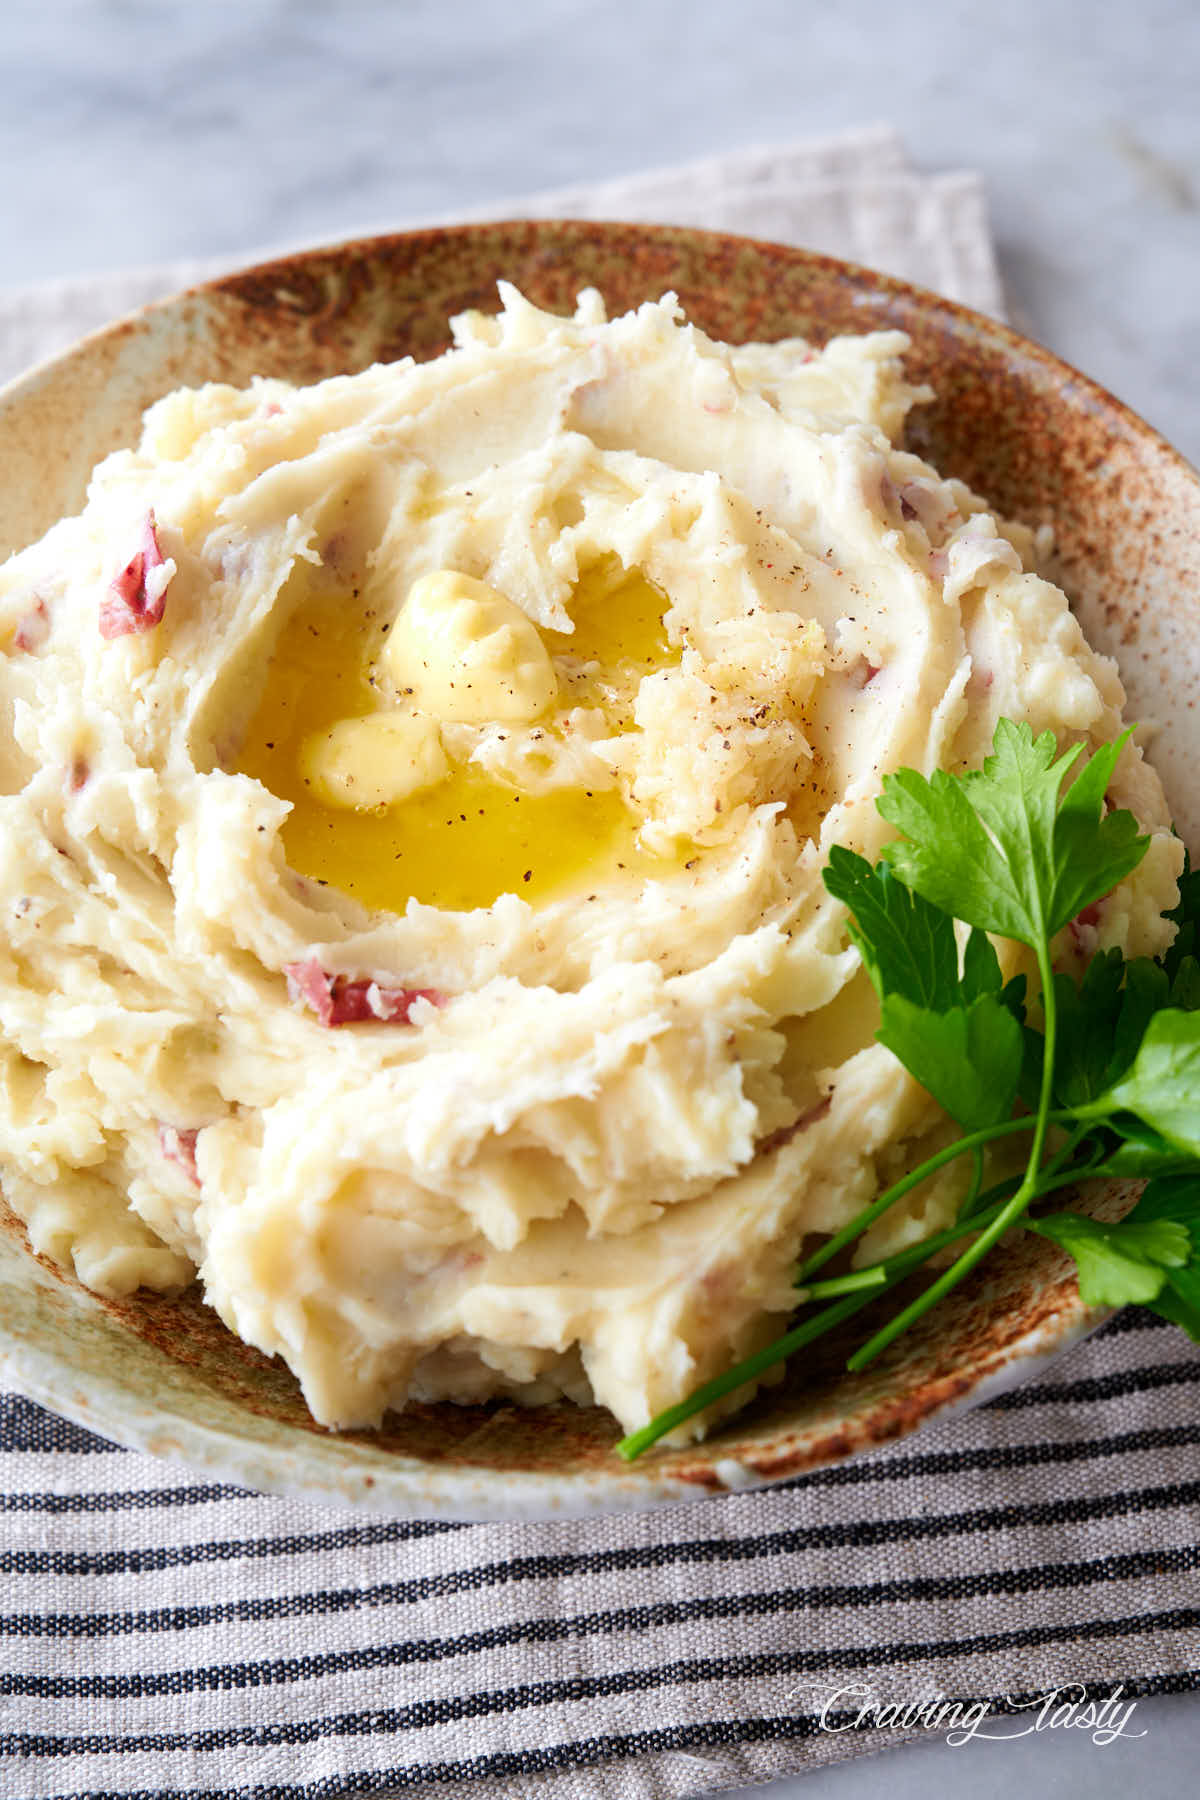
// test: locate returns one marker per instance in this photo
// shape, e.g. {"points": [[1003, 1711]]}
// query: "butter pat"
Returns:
{"points": [[375, 761], [461, 651]]}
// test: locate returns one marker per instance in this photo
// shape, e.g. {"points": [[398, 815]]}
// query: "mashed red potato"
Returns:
{"points": [[415, 794]]}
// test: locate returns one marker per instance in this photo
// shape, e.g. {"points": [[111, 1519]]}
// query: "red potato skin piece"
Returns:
{"points": [[786, 1133], [180, 1147], [33, 629], [127, 607], [337, 1000], [1083, 927]]}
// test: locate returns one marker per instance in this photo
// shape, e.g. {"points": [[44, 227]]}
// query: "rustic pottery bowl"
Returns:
{"points": [[1043, 443]]}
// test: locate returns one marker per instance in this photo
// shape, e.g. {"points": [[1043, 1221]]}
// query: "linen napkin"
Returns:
{"points": [[853, 196], [165, 1634]]}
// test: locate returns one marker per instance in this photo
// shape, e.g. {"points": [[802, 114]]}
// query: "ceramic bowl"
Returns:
{"points": [[1043, 444]]}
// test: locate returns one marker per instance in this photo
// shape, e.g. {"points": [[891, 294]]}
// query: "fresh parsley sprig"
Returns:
{"points": [[1011, 851]]}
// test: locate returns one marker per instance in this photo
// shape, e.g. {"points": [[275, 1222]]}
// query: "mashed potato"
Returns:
{"points": [[414, 804]]}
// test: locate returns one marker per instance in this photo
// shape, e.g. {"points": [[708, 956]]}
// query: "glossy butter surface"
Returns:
{"points": [[464, 840]]}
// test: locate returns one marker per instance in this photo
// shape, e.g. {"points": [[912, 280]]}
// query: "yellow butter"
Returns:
{"points": [[461, 651], [375, 761]]}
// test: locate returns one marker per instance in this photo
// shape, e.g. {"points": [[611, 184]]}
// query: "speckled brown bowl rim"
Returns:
{"points": [[181, 1400]]}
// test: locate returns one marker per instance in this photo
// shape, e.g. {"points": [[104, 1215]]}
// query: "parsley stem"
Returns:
{"points": [[905, 1261], [1008, 1214], [1000, 1190], [1054, 1168], [856, 1289], [1049, 1048], [890, 1269], [732, 1379], [897, 1191], [1062, 1157], [875, 1275]]}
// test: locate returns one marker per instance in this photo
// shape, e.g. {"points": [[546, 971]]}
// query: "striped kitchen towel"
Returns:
{"points": [[166, 1635]]}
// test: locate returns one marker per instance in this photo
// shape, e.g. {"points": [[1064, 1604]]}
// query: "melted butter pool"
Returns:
{"points": [[618, 620], [463, 843]]}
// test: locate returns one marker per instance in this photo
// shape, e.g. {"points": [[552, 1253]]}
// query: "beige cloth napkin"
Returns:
{"points": [[164, 1634], [853, 196]]}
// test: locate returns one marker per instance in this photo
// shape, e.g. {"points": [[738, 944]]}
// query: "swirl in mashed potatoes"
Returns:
{"points": [[415, 797]]}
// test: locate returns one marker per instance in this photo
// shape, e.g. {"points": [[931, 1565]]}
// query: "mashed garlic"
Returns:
{"points": [[413, 817]]}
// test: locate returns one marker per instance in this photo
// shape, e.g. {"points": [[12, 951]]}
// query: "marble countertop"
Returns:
{"points": [[147, 130]]}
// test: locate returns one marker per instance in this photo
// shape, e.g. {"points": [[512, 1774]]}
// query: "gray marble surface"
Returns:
{"points": [[133, 132], [137, 130]]}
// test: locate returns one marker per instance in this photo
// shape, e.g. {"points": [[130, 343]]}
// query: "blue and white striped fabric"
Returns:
{"points": [[168, 1636]]}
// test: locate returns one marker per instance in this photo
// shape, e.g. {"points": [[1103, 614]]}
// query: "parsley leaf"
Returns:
{"points": [[1161, 1084], [1119, 1265], [969, 1058], [999, 849], [955, 1033], [1092, 852], [908, 946], [1112, 1080], [1142, 1152], [1181, 961], [1186, 916], [981, 972], [1179, 1300], [1087, 1022], [1150, 1258], [1178, 1201], [1102, 1022], [1175, 1203], [1185, 988]]}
